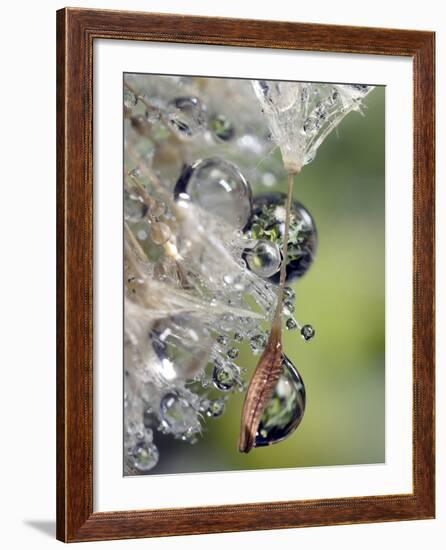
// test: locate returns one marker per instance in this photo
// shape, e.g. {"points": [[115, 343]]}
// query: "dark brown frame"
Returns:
{"points": [[76, 31]]}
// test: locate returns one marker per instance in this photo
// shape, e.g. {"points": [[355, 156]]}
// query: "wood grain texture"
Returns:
{"points": [[76, 31]]}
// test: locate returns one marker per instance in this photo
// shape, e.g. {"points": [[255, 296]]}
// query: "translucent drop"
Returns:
{"points": [[233, 353], [264, 259], [185, 116], [285, 409], [291, 324], [307, 332], [218, 187], [267, 224], [181, 346], [257, 342], [225, 376], [216, 408], [222, 128], [178, 416], [144, 456], [275, 94]]}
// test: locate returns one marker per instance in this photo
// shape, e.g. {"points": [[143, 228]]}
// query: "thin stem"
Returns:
{"points": [[278, 312]]}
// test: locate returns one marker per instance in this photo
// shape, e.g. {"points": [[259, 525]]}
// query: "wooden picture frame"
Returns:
{"points": [[77, 29]]}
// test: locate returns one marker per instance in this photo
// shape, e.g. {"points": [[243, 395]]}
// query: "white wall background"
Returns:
{"points": [[27, 287]]}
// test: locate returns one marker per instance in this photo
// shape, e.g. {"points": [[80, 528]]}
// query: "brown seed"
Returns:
{"points": [[261, 387]]}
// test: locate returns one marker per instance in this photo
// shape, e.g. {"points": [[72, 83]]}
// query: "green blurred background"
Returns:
{"points": [[342, 296]]}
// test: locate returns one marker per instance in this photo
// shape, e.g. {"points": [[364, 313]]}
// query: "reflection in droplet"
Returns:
{"points": [[307, 332], [144, 456], [267, 223], [178, 415], [285, 409], [218, 187], [264, 259], [225, 376], [174, 341]]}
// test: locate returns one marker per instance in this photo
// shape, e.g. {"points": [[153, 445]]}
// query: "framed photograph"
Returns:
{"points": [[245, 275]]}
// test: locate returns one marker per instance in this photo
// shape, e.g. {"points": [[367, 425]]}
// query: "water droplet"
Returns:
{"points": [[144, 456], [225, 376], [238, 337], [178, 416], [218, 187], [222, 339], [267, 223], [276, 94], [257, 342], [130, 99], [181, 345], [289, 293], [216, 408], [222, 128], [185, 116], [291, 324], [233, 353], [307, 332], [264, 259], [159, 232], [288, 307], [285, 409]]}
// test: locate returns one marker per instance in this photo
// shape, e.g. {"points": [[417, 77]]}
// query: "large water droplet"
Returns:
{"points": [[182, 347], [178, 415], [218, 187], [268, 223], [275, 94], [186, 116], [285, 409], [264, 259]]}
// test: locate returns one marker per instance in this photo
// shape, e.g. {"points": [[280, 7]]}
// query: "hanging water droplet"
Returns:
{"points": [[222, 339], [257, 342], [291, 324], [285, 409], [288, 307], [289, 293], [144, 456], [181, 345], [267, 223], [222, 128], [307, 332], [264, 259], [178, 416], [275, 94], [238, 337], [225, 376], [233, 353], [218, 187], [185, 116], [216, 408]]}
